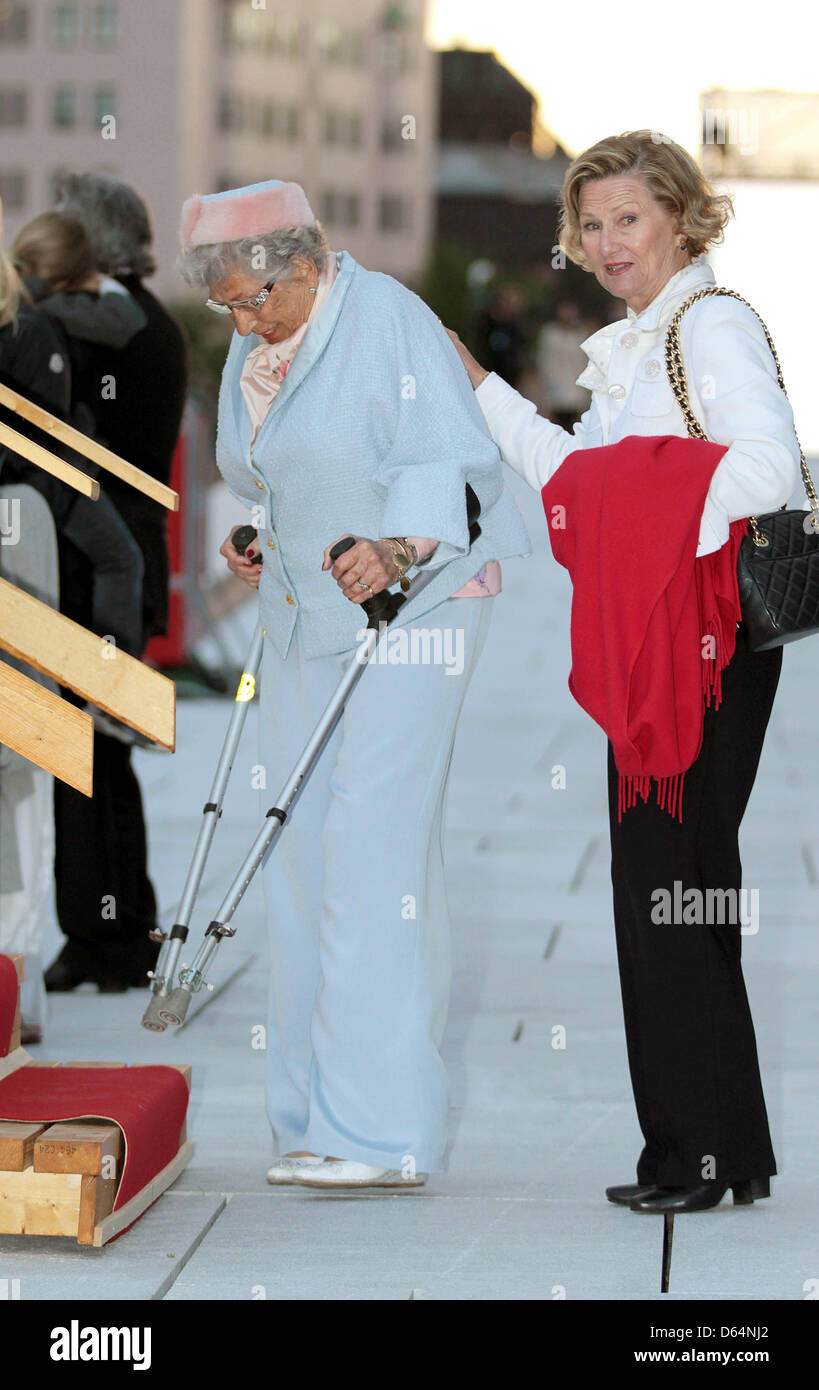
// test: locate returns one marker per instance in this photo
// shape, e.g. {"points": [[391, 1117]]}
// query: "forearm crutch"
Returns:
{"points": [[169, 1005], [164, 971]]}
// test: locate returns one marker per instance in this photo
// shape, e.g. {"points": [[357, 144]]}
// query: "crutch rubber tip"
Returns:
{"points": [[174, 1008], [151, 1019]]}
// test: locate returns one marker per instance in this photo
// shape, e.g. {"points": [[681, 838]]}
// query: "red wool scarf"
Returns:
{"points": [[652, 626]]}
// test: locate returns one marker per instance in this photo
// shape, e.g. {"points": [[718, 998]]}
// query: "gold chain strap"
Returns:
{"points": [[675, 368]]}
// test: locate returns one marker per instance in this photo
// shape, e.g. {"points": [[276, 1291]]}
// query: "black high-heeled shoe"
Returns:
{"points": [[702, 1197], [628, 1192]]}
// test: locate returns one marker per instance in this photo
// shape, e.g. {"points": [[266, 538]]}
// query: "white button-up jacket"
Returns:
{"points": [[733, 392]]}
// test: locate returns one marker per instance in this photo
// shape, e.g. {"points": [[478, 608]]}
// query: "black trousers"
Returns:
{"points": [[105, 899], [691, 1045]]}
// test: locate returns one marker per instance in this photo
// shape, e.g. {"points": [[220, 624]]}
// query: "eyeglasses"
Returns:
{"points": [[255, 303]]}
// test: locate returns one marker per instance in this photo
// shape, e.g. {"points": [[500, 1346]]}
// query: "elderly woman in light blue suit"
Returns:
{"points": [[344, 411]]}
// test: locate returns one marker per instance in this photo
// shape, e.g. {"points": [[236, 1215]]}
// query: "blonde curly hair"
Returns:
{"points": [[670, 175]]}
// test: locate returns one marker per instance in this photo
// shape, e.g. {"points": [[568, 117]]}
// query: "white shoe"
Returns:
{"points": [[346, 1172], [283, 1169]]}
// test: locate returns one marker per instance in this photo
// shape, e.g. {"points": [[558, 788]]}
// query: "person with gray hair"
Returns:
{"points": [[343, 413], [101, 842], [116, 221]]}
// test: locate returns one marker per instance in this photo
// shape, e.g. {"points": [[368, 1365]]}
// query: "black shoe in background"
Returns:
{"points": [[113, 969], [126, 967], [74, 966]]}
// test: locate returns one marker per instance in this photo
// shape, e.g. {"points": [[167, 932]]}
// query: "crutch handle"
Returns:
{"points": [[242, 537], [473, 511], [382, 607]]}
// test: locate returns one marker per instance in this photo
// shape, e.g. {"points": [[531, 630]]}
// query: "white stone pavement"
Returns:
{"points": [[537, 1130]]}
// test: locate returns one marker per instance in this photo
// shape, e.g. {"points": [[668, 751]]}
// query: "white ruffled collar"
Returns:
{"points": [[598, 347]]}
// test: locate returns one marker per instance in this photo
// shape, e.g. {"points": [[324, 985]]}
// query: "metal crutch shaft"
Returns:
{"points": [[165, 968]]}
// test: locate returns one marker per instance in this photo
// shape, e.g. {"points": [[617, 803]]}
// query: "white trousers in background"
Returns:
{"points": [[356, 904], [28, 559]]}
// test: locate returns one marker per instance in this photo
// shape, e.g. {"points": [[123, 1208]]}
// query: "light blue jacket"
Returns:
{"points": [[375, 431]]}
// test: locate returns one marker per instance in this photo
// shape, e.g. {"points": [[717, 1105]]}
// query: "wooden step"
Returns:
{"points": [[17, 1145], [61, 1179], [40, 1204], [80, 1146]]}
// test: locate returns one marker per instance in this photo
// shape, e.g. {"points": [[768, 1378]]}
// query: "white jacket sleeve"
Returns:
{"points": [[530, 444], [732, 371]]}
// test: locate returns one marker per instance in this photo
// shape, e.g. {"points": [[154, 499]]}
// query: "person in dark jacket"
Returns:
{"points": [[55, 257], [34, 363], [101, 850], [141, 419]]}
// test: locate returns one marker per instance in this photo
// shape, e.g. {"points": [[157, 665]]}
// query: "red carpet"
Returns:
{"points": [[148, 1104], [8, 1002]]}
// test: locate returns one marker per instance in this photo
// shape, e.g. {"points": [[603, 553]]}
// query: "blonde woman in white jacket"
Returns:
{"points": [[639, 214]]}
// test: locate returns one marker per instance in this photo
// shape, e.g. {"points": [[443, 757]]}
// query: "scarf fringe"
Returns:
{"points": [[713, 667], [669, 793]]}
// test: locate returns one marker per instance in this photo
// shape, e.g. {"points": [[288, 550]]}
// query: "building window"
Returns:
{"points": [[394, 213], [397, 53], [231, 112], [241, 26], [354, 48], [65, 25], [12, 106], [12, 189], [340, 209], [103, 26], [274, 35], [393, 137], [64, 108], [283, 37], [104, 103], [271, 120], [342, 46], [13, 23], [342, 128], [267, 118]]}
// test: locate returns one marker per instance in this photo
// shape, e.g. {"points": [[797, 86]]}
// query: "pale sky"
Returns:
{"points": [[601, 67]]}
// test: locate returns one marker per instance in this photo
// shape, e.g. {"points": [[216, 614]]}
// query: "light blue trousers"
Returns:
{"points": [[355, 896]]}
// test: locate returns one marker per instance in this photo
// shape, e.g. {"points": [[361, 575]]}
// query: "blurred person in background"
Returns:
{"points": [[38, 511], [28, 559], [501, 334], [560, 361], [55, 259], [137, 405]]}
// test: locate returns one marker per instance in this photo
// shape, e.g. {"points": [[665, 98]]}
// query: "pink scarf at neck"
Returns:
{"points": [[267, 365]]}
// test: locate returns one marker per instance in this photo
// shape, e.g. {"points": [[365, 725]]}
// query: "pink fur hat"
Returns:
{"points": [[240, 212]]}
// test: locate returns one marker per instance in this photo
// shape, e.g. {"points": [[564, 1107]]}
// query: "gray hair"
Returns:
{"points": [[116, 221], [268, 256]]}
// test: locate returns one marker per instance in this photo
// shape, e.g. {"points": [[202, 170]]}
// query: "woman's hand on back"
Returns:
{"points": [[475, 371], [242, 565]]}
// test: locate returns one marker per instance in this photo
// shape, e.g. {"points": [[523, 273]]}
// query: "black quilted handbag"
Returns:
{"points": [[778, 565]]}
